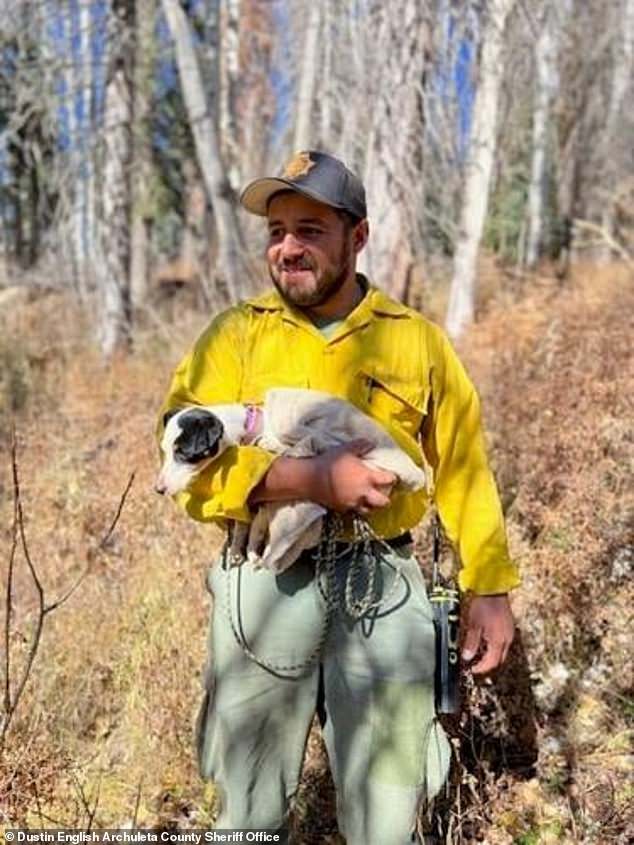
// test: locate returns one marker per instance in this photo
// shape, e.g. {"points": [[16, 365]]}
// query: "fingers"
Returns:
{"points": [[382, 478], [376, 499], [490, 660], [471, 643], [353, 484], [494, 656], [506, 647], [490, 626], [372, 500]]}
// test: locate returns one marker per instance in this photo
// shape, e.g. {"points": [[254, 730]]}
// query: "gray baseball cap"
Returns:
{"points": [[320, 176]]}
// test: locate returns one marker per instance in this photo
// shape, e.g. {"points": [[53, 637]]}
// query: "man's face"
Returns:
{"points": [[310, 251]]}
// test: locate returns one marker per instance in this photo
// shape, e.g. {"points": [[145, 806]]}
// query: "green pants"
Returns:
{"points": [[385, 748]]}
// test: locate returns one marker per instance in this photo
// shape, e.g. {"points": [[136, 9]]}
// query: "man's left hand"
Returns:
{"points": [[491, 625]]}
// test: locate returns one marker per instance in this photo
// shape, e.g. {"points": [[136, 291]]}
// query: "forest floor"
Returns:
{"points": [[102, 734]]}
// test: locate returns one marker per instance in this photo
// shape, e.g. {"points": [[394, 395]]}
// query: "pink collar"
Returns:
{"points": [[251, 424]]}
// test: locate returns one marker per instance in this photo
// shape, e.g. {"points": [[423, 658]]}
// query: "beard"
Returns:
{"points": [[320, 288]]}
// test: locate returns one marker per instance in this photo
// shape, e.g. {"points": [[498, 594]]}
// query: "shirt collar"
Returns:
{"points": [[374, 302]]}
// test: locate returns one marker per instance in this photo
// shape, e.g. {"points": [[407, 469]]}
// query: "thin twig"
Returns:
{"points": [[40, 595], [113, 524], [88, 810], [9, 594], [137, 803], [19, 517], [93, 812], [79, 792], [11, 702], [100, 546]]}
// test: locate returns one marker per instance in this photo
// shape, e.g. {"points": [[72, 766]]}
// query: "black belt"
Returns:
{"points": [[405, 539]]}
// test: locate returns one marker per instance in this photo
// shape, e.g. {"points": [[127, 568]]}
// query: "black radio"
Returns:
{"points": [[445, 603]]}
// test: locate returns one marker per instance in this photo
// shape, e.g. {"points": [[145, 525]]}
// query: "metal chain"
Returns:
{"points": [[364, 563]]}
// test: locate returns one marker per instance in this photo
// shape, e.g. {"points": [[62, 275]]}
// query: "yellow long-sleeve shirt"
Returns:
{"points": [[390, 362]]}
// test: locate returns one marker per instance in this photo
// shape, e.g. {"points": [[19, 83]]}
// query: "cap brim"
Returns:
{"points": [[256, 196]]}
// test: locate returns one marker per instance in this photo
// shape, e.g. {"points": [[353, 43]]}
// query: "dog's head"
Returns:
{"points": [[193, 437]]}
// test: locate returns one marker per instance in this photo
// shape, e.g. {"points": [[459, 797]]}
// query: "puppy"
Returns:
{"points": [[193, 437], [292, 422]]}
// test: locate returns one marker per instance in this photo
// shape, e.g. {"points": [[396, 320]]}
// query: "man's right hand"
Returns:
{"points": [[343, 482], [337, 479]]}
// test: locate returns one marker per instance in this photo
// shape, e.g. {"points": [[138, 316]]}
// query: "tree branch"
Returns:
{"points": [[18, 530], [605, 236]]}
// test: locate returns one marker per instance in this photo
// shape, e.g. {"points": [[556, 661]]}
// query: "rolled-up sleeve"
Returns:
{"points": [[465, 492], [211, 373]]}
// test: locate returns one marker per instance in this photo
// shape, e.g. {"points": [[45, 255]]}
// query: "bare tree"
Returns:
{"points": [[447, 114], [229, 60], [479, 167], [232, 263], [27, 131], [622, 66], [305, 113], [390, 88], [594, 126], [80, 89], [113, 248], [546, 84], [143, 211], [393, 164]]}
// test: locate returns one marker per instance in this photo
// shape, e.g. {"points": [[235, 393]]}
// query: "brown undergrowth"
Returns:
{"points": [[553, 731], [103, 734]]}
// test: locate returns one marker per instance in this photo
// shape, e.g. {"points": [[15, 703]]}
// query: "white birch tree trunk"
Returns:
{"points": [[546, 82], [327, 78], [393, 166], [142, 170], [303, 137], [229, 80], [478, 169], [79, 86], [232, 263], [350, 113], [87, 86], [75, 224], [621, 81], [113, 258]]}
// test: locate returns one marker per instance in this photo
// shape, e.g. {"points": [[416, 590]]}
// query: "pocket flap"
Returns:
{"points": [[408, 392]]}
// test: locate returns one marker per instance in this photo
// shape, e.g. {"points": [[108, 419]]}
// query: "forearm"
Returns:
{"points": [[338, 479], [287, 479]]}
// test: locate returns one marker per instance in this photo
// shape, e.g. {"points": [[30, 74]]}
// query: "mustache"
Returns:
{"points": [[295, 264]]}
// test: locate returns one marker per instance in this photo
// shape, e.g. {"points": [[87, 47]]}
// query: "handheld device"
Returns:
{"points": [[445, 602]]}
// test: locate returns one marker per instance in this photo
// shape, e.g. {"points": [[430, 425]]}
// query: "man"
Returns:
{"points": [[279, 642]]}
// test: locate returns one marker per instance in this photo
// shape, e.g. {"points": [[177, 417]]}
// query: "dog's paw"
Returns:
{"points": [[255, 561]]}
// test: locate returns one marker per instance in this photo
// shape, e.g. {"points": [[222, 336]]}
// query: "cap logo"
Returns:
{"points": [[299, 165]]}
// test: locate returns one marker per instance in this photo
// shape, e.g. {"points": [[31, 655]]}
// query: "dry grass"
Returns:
{"points": [[108, 709], [104, 729], [555, 372]]}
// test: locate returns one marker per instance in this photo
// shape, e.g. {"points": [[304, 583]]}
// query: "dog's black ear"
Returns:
{"points": [[201, 432], [167, 416]]}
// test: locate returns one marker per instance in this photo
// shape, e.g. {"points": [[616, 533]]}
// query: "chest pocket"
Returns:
{"points": [[392, 400]]}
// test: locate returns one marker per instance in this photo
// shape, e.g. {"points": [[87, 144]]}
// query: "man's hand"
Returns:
{"points": [[490, 623], [342, 482], [337, 479]]}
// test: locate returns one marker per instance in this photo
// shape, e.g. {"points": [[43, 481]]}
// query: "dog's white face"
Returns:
{"points": [[192, 439]]}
